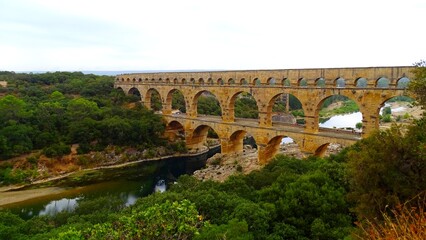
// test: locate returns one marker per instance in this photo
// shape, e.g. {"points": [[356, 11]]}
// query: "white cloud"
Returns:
{"points": [[168, 34]]}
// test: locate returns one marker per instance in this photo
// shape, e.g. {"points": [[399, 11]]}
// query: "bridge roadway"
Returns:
{"points": [[268, 138]]}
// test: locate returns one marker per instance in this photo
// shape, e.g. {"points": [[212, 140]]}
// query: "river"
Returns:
{"points": [[129, 183]]}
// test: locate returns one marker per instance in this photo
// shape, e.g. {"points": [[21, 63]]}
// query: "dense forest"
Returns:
{"points": [[352, 195]]}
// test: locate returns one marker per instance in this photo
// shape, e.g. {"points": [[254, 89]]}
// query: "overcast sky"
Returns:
{"points": [[76, 35]]}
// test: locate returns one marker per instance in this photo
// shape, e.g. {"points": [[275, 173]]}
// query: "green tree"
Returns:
{"points": [[387, 168], [418, 83]]}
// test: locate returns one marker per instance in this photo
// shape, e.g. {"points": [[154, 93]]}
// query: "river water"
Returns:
{"points": [[129, 183]]}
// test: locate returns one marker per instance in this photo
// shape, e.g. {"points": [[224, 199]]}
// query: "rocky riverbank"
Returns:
{"points": [[221, 167]]}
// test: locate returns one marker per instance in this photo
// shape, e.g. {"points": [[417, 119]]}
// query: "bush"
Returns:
{"points": [[57, 150]]}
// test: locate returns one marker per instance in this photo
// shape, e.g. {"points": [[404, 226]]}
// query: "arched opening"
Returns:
{"points": [[243, 82], [271, 81], [192, 81], [302, 82], [382, 82], [203, 136], [339, 113], [207, 104], [257, 82], [340, 82], [240, 141], [244, 105], [167, 80], [176, 99], [320, 82], [231, 81], [134, 94], [399, 109], [282, 144], [184, 81], [201, 81], [175, 131], [403, 83], [220, 81], [153, 98], [286, 82], [210, 81], [175, 81], [285, 108], [361, 83]]}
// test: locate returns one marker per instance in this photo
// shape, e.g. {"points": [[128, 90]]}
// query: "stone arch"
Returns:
{"points": [[320, 82], [232, 102], [302, 82], [235, 142], [120, 88], [201, 81], [174, 130], [198, 137], [184, 81], [175, 81], [271, 81], [243, 81], [134, 80], [340, 82], [220, 81], [152, 97], [382, 82], [320, 151], [169, 101], [139, 79], [340, 97], [194, 103], [286, 82], [394, 113], [210, 81], [167, 80], [231, 81], [192, 81], [361, 82], [128, 80], [160, 80], [272, 102], [257, 82], [402, 83], [135, 91]]}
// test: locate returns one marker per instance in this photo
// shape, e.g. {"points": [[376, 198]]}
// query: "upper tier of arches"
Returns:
{"points": [[381, 77]]}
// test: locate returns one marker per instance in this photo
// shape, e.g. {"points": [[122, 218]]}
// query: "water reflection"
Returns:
{"points": [[343, 121], [63, 204]]}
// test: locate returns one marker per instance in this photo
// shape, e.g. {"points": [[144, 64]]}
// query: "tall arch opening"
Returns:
{"points": [[240, 141], [403, 82], [382, 82], [177, 101], [206, 103], [203, 136], [135, 95], [244, 105], [286, 108], [400, 110], [340, 113], [153, 98], [361, 83]]}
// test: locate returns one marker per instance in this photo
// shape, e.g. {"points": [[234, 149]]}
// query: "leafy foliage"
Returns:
{"points": [[418, 84], [387, 168]]}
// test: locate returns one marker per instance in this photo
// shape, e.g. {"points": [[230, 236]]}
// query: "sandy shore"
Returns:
{"points": [[7, 196]]}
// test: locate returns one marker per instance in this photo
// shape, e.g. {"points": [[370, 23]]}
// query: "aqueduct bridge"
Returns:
{"points": [[369, 87]]}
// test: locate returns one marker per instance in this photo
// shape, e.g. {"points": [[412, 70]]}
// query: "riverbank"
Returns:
{"points": [[23, 192]]}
